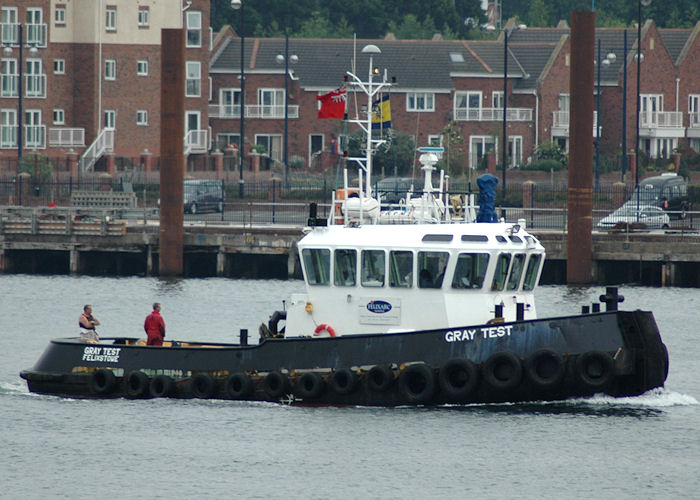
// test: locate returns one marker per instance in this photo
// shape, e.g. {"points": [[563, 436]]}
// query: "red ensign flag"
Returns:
{"points": [[333, 103]]}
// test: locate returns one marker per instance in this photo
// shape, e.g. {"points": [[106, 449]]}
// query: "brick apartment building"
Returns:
{"points": [[91, 71]]}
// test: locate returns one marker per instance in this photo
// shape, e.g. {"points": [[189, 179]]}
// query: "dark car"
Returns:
{"points": [[667, 191], [201, 195], [394, 189]]}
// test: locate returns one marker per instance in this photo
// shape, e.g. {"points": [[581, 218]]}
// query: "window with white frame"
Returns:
{"points": [[142, 67], [497, 99], [144, 17], [193, 82], [8, 128], [141, 117], [224, 140], [229, 103], [110, 118], [59, 116], [272, 144], [194, 29], [467, 105], [8, 23], [59, 66], [8, 77], [271, 103], [35, 80], [515, 150], [479, 147], [35, 29], [111, 18], [435, 140], [59, 14], [110, 69], [420, 101], [34, 130], [694, 110]]}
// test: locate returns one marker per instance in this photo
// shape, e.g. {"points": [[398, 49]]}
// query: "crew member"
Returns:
{"points": [[154, 326], [87, 323]]}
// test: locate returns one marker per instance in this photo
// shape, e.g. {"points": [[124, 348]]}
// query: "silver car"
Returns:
{"points": [[652, 217]]}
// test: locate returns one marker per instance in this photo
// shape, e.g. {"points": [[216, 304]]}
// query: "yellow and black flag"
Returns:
{"points": [[381, 113]]}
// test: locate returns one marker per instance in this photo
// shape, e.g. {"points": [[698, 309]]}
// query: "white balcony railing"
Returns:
{"points": [[8, 85], [271, 112], [196, 141], [8, 136], [9, 33], [493, 114], [103, 143], [560, 120], [36, 34], [225, 111], [661, 119], [65, 137]]}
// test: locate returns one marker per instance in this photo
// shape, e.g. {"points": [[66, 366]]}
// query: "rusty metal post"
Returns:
{"points": [[579, 259], [172, 133]]}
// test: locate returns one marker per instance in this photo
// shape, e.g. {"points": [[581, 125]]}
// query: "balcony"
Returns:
{"points": [[35, 136], [560, 124], [35, 86], [661, 124], [65, 137], [269, 112], [36, 34], [694, 125], [228, 111], [493, 114], [196, 141]]}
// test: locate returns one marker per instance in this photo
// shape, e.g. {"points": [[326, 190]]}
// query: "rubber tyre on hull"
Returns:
{"points": [[344, 381], [162, 386], [458, 378], [309, 386], [594, 369], [417, 383], [380, 378], [239, 386], [136, 384], [503, 371], [203, 386], [103, 382], [545, 369], [276, 385]]}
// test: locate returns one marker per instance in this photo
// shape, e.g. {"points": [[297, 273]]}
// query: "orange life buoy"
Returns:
{"points": [[322, 327]]}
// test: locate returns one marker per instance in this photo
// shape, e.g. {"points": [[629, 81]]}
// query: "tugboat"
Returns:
{"points": [[404, 305]]}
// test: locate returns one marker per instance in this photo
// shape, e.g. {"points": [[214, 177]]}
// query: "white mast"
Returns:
{"points": [[370, 88]]}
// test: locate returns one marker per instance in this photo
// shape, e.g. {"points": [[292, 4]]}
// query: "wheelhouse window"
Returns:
{"points": [[400, 269], [470, 270], [516, 271], [499, 277], [317, 265], [345, 270], [533, 267], [373, 268], [431, 268]]}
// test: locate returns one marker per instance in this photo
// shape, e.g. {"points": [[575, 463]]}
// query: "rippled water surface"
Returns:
{"points": [[50, 447]]}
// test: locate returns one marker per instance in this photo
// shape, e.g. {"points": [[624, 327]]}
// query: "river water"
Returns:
{"points": [[50, 447]]}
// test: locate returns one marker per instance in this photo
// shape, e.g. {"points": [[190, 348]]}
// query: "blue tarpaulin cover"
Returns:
{"points": [[487, 198]]}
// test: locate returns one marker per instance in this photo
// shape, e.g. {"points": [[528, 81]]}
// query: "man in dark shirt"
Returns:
{"points": [[154, 326]]}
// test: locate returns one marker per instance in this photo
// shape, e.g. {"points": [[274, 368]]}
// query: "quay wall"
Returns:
{"points": [[270, 252]]}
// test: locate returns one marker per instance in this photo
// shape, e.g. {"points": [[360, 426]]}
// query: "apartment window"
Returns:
{"points": [[142, 68], [144, 17], [110, 69], [515, 150], [59, 14], [193, 84], [194, 29], [110, 118], [467, 105], [59, 116], [59, 66], [225, 140], [497, 99], [141, 117], [420, 101], [8, 20], [230, 103], [8, 77], [34, 130], [271, 103], [111, 18], [35, 29], [8, 128], [435, 140], [35, 79], [272, 144]]}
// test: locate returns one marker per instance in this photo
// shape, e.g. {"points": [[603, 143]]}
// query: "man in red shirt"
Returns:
{"points": [[154, 326]]}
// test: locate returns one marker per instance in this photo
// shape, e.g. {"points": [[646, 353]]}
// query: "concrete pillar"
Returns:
{"points": [[220, 262], [147, 161], [2, 260], [255, 162], [109, 160], [72, 161], [491, 162], [218, 163], [149, 260], [105, 181], [676, 161], [172, 171], [74, 261], [579, 258]]}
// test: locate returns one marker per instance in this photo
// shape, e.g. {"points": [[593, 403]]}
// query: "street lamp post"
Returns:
{"points": [[286, 59], [238, 5], [506, 34], [8, 51], [639, 63]]}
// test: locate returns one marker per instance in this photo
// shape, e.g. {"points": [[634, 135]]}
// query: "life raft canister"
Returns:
{"points": [[323, 326]]}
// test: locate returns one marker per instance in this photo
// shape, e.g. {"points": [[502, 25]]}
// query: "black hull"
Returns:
{"points": [[617, 353]]}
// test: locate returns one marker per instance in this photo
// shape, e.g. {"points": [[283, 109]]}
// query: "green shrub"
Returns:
{"points": [[544, 165]]}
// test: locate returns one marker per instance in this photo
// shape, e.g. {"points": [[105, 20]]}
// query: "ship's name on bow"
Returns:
{"points": [[102, 354], [492, 332]]}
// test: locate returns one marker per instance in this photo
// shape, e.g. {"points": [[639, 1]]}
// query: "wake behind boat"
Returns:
{"points": [[410, 304]]}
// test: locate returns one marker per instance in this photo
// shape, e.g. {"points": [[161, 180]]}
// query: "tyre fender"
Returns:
{"points": [[103, 382], [239, 386], [503, 371], [417, 383], [458, 378]]}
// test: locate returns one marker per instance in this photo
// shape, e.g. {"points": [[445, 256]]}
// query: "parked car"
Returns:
{"points": [[667, 191], [394, 189], [201, 195], [652, 217]]}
